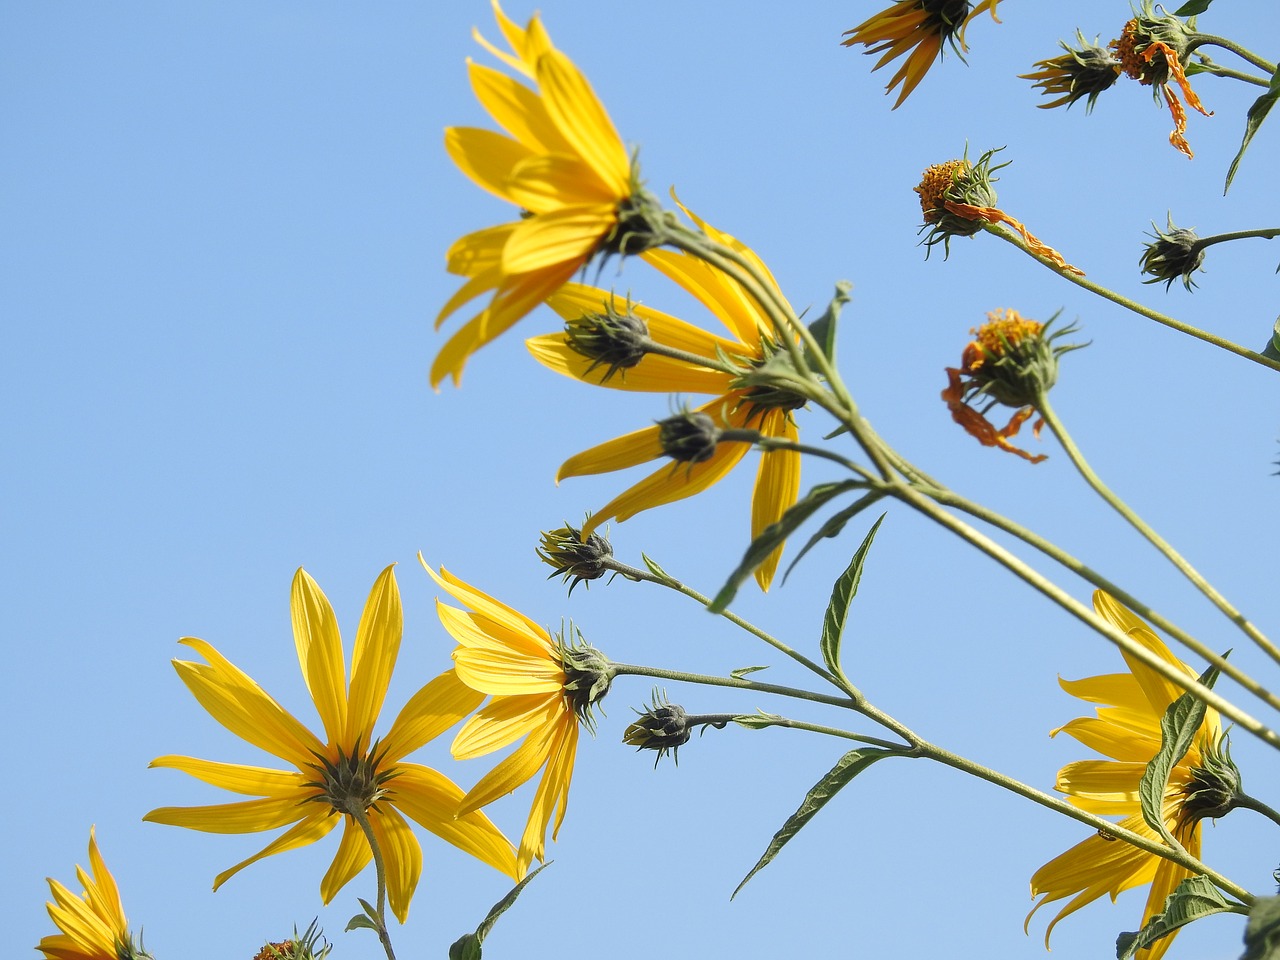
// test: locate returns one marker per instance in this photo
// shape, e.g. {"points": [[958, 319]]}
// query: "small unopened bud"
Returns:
{"points": [[642, 223], [663, 727], [1214, 785], [689, 437], [1077, 74], [612, 339], [588, 676], [573, 558], [1172, 255]]}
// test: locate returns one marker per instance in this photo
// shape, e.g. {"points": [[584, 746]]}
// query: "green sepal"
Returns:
{"points": [[467, 946], [1262, 932], [775, 534], [758, 721], [846, 768], [824, 328], [656, 570], [741, 672], [363, 921], [1178, 728], [1253, 120], [1192, 8], [833, 526], [842, 594], [1194, 898]]}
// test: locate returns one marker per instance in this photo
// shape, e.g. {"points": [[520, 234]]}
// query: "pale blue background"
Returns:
{"points": [[222, 249]]}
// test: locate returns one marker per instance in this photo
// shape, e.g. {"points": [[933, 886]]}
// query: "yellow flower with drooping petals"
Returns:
{"points": [[562, 163], [1127, 729], [921, 27], [540, 689], [93, 925], [734, 405], [348, 770]]}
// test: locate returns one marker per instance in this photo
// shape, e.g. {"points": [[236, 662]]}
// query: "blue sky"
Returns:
{"points": [[223, 247]]}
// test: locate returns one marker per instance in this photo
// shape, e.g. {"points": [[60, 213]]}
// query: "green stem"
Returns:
{"points": [[710, 363], [1046, 410], [1217, 70], [671, 583], [1221, 342], [1205, 38], [949, 498], [1266, 233], [736, 683], [720, 720], [1036, 580], [1246, 802], [358, 814]]}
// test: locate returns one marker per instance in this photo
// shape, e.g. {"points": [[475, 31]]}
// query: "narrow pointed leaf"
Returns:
{"points": [[846, 768], [842, 594], [1194, 898], [467, 946], [758, 721], [743, 671], [656, 570], [773, 535], [824, 328], [1192, 8], [1262, 932], [1178, 729], [1253, 120], [360, 922], [833, 526]]}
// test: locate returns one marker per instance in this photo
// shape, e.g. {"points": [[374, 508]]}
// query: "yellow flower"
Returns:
{"points": [[562, 163], [734, 405], [93, 925], [921, 26], [1127, 729], [346, 771], [540, 688]]}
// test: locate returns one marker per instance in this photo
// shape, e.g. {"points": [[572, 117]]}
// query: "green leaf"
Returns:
{"points": [[842, 594], [1253, 120], [1262, 932], [775, 534], [467, 946], [656, 570], [758, 720], [360, 922], [1194, 898], [833, 526], [824, 328], [846, 768], [743, 671], [1192, 8], [1178, 728], [1272, 349]]}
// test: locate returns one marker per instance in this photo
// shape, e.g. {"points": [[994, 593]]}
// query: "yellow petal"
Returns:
{"points": [[248, 816], [87, 931], [240, 705], [504, 721], [475, 630], [478, 251], [777, 487], [402, 855], [431, 800], [514, 298], [315, 634], [483, 604], [517, 109], [1110, 780], [720, 294], [374, 658], [316, 826], [581, 118], [543, 183], [515, 769], [352, 856], [238, 778], [505, 673], [1110, 739], [103, 894], [548, 241], [488, 158], [620, 453], [431, 711]]}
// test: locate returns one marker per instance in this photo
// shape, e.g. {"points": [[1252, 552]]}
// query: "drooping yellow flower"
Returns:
{"points": [[348, 770], [562, 163], [93, 925], [1083, 73], [1148, 49], [734, 405], [540, 689], [1127, 729], [921, 27]]}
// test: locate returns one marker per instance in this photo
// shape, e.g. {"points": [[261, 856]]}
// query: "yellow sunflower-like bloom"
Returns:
{"points": [[918, 26], [561, 162], [348, 770], [93, 925], [1127, 729], [539, 686], [734, 406]]}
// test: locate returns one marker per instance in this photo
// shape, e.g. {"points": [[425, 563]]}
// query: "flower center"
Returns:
{"points": [[945, 16], [937, 180], [351, 784]]}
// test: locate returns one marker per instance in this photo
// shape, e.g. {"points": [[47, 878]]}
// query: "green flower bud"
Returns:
{"points": [[573, 558], [1171, 256]]}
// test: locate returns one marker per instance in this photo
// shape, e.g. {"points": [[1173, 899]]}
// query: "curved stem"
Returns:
{"points": [[671, 583], [1206, 38], [1217, 70], [1046, 410], [720, 720], [1246, 802], [358, 814], [736, 683], [1266, 233], [1221, 342]]}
